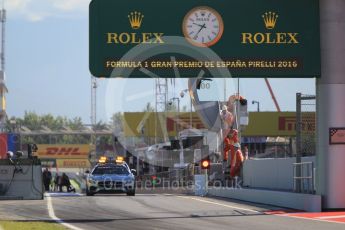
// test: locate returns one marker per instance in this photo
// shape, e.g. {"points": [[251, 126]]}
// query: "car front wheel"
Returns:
{"points": [[131, 193], [88, 193]]}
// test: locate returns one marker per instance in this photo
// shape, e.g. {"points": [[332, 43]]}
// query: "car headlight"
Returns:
{"points": [[91, 181], [129, 181]]}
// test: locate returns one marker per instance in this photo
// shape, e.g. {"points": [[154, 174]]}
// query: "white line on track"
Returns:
{"points": [[55, 218], [311, 219], [251, 210], [330, 217], [219, 204]]}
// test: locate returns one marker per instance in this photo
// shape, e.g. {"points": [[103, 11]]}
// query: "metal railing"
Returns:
{"points": [[305, 131], [176, 177], [305, 182]]}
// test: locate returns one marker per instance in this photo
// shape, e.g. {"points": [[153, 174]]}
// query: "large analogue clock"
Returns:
{"points": [[203, 26]]}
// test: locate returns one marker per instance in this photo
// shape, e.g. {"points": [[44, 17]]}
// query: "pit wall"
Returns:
{"points": [[270, 181], [275, 174]]}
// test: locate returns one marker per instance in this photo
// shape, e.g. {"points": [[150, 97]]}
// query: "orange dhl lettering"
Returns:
{"points": [[54, 151]]}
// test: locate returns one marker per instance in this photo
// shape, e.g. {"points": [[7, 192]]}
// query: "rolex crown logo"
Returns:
{"points": [[270, 19], [135, 19]]}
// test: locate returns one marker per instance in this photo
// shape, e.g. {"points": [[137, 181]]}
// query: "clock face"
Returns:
{"points": [[203, 26]]}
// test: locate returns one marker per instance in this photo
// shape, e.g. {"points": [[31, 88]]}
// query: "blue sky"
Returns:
{"points": [[47, 67]]}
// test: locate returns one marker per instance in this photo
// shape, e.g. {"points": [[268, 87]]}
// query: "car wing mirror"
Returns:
{"points": [[134, 172]]}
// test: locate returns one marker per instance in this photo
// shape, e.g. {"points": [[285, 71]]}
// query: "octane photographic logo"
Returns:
{"points": [[120, 93]]}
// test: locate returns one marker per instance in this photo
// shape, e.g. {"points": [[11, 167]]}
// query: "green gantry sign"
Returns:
{"points": [[248, 38]]}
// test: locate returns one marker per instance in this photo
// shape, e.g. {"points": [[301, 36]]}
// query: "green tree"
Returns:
{"points": [[32, 121], [75, 124], [35, 122], [117, 122]]}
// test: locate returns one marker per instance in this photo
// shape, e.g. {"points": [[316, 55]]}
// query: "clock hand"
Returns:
{"points": [[198, 24], [202, 27]]}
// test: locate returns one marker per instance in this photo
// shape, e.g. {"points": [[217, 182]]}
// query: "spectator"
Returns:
{"points": [[64, 181], [47, 176], [56, 182]]}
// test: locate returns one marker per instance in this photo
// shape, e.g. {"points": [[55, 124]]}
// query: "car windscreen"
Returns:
{"points": [[101, 170]]}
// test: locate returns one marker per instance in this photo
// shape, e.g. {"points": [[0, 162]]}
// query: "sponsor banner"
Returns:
{"points": [[261, 124], [143, 124], [337, 136], [73, 163], [64, 151], [48, 163], [278, 124], [261, 38], [3, 145], [13, 142]]}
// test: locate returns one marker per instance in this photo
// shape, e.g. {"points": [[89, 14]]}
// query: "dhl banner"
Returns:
{"points": [[73, 163], [64, 151]]}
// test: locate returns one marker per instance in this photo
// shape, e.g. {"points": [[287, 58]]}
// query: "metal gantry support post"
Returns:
{"points": [[94, 86], [330, 92], [177, 117], [3, 88], [298, 141], [161, 95]]}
